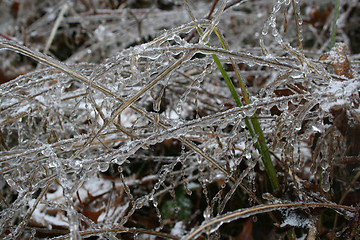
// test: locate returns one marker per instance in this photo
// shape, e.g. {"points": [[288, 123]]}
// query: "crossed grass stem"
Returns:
{"points": [[64, 68]]}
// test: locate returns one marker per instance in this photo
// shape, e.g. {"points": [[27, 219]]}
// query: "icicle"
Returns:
{"points": [[325, 180], [158, 213]]}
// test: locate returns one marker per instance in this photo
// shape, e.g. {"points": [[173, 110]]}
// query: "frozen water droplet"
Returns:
{"points": [[206, 213], [188, 191], [151, 197], [296, 100], [47, 152], [300, 21], [10, 182], [272, 21], [223, 125], [157, 185], [261, 166], [77, 165], [179, 107], [242, 124], [324, 164], [52, 164], [103, 167], [201, 167], [276, 7], [250, 112], [265, 30], [325, 183], [283, 106], [316, 129], [250, 64], [275, 32], [297, 125]]}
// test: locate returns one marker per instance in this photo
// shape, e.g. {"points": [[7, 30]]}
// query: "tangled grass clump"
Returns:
{"points": [[125, 131]]}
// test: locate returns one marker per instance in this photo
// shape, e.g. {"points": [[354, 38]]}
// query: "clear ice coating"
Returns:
{"points": [[70, 166]]}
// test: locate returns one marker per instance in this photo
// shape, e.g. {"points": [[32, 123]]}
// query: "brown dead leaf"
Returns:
{"points": [[91, 214], [246, 233], [318, 16], [338, 60]]}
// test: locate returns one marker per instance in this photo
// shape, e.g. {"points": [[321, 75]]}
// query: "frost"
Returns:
{"points": [[178, 229], [102, 34], [295, 220], [49, 221], [316, 129], [340, 93]]}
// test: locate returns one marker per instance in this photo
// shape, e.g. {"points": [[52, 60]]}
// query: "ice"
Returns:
{"points": [[103, 34], [49, 114], [48, 152], [283, 105], [103, 167], [178, 229], [11, 182], [73, 223], [275, 32], [265, 30], [325, 183], [316, 129], [294, 220], [205, 37], [342, 91], [277, 7], [48, 220]]}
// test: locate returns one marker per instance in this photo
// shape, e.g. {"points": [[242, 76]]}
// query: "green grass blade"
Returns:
{"points": [[263, 149]]}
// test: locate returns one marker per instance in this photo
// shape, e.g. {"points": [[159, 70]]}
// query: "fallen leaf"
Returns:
{"points": [[246, 233], [339, 61]]}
